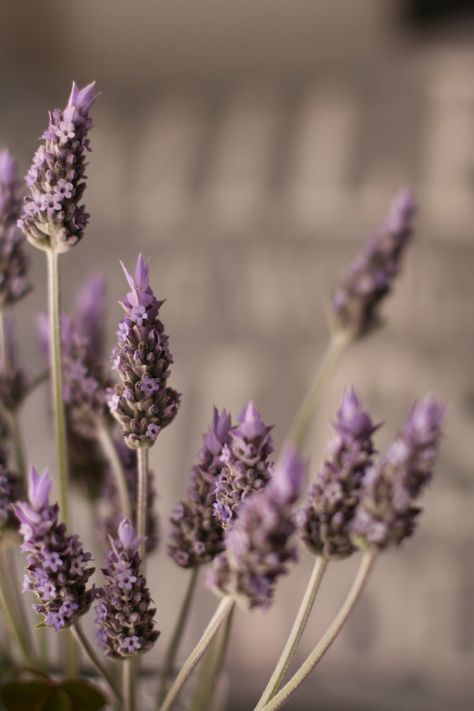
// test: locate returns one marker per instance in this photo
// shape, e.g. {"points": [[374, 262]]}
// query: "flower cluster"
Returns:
{"points": [[53, 217], [197, 535], [142, 401], [247, 467], [57, 566], [388, 511], [369, 279], [324, 522], [258, 546], [10, 491], [14, 283], [124, 617]]}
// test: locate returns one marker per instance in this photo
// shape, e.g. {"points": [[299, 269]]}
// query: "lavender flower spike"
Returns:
{"points": [[124, 618], [356, 303], [197, 535], [14, 283], [57, 566], [142, 401], [53, 217], [258, 546], [324, 522], [247, 467], [388, 512]]}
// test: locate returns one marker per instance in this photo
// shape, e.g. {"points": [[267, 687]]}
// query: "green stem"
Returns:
{"points": [[83, 642], [296, 632], [328, 638], [128, 684], [172, 651], [110, 450], [213, 664], [142, 457], [18, 448], [305, 413], [11, 618], [223, 611]]}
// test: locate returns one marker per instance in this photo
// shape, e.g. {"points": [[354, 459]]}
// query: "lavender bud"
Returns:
{"points": [[124, 618], [142, 401], [57, 566], [258, 546], [387, 513], [356, 303], [324, 521], [247, 467], [10, 491], [197, 535], [53, 217]]}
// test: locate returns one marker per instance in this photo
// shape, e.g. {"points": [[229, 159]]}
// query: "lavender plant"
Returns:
{"points": [[239, 518]]}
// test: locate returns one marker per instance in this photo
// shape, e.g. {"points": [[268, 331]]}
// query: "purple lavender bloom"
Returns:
{"points": [[14, 283], [53, 217], [57, 566], [356, 303], [14, 379], [142, 401], [10, 491], [259, 546], [124, 617], [197, 536], [90, 318], [388, 512], [247, 466], [324, 522]]}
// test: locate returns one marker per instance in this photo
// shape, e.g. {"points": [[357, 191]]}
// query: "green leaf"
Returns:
{"points": [[40, 626], [25, 695], [59, 701], [84, 695]]}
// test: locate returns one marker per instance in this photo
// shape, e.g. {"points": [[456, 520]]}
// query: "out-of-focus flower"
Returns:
{"points": [[355, 304], [142, 401], [324, 522], [89, 317], [10, 491], [124, 617], [247, 466], [197, 536], [57, 566], [259, 546], [14, 379], [388, 512], [53, 217]]}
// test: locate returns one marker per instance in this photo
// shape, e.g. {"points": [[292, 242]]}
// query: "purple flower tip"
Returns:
{"points": [[251, 424], [352, 419], [39, 489], [128, 535], [82, 99], [402, 210], [141, 280], [8, 167], [426, 417], [289, 476]]}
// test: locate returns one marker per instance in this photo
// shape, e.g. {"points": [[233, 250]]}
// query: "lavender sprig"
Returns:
{"points": [[57, 566], [124, 617], [142, 401], [258, 546], [388, 511], [197, 535], [53, 217], [324, 522], [356, 303]]}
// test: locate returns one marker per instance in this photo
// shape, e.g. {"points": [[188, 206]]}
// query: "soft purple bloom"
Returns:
{"points": [[124, 617], [57, 566], [388, 510], [197, 536], [53, 216], [10, 491], [369, 279], [90, 317], [142, 401], [324, 522], [10, 203], [247, 465], [259, 546]]}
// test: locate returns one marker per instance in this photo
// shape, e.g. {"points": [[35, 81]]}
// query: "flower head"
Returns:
{"points": [[324, 522], [53, 216], [124, 616], [356, 303], [142, 401], [258, 546], [197, 536], [57, 566]]}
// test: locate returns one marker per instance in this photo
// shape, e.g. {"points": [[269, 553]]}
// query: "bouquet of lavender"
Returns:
{"points": [[244, 516]]}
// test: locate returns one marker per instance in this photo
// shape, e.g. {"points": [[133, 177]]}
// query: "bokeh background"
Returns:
{"points": [[250, 148]]}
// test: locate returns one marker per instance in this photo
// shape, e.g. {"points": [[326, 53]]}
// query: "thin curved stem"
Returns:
{"points": [[328, 638], [18, 448], [82, 640], [108, 447], [296, 631], [173, 647], [142, 455], [11, 618], [299, 429], [128, 684], [224, 609]]}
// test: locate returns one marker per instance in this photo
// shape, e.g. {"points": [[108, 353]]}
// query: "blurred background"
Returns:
{"points": [[250, 148]]}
